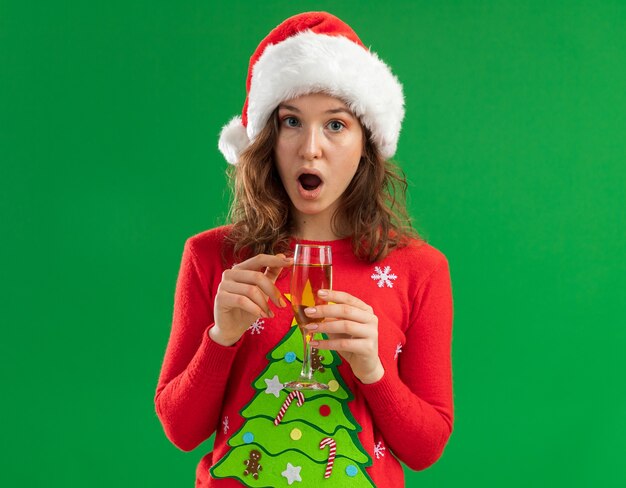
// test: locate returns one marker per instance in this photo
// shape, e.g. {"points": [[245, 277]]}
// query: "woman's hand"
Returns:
{"points": [[243, 294], [352, 330]]}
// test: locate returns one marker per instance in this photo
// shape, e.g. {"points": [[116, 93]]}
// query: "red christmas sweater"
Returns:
{"points": [[405, 416]]}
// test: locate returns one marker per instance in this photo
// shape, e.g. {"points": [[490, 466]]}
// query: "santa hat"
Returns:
{"points": [[317, 52]]}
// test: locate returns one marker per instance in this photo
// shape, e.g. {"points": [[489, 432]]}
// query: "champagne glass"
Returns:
{"points": [[311, 272]]}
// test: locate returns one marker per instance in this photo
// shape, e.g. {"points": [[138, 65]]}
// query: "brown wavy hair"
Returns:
{"points": [[372, 210]]}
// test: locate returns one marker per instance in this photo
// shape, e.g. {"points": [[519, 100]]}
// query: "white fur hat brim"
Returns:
{"points": [[308, 62], [233, 140]]}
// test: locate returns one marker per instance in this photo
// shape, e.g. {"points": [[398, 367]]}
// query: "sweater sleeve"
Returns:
{"points": [[195, 369], [414, 408]]}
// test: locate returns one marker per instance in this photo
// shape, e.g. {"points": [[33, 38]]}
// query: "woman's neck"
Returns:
{"points": [[314, 228]]}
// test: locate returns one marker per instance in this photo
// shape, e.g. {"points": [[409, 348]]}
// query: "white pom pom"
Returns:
{"points": [[233, 140]]}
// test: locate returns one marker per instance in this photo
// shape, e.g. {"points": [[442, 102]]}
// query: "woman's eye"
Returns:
{"points": [[335, 126], [291, 121]]}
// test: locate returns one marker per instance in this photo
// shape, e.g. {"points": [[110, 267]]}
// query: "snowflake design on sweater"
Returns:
{"points": [[398, 350], [256, 327], [379, 450], [226, 424], [384, 276]]}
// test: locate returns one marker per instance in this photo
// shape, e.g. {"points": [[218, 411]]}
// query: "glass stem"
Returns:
{"points": [[307, 372]]}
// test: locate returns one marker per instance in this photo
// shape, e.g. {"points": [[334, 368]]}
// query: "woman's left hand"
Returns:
{"points": [[352, 330]]}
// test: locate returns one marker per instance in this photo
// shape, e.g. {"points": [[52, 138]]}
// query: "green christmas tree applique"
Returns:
{"points": [[311, 440]]}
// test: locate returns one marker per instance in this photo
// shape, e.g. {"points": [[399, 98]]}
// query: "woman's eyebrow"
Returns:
{"points": [[288, 107], [340, 110]]}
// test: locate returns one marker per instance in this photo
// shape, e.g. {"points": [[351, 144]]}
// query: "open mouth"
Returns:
{"points": [[309, 182]]}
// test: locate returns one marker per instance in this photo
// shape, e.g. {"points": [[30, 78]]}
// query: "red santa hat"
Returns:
{"points": [[317, 52]]}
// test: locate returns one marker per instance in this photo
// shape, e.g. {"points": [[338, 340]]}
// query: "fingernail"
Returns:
{"points": [[310, 310], [322, 293], [312, 326], [314, 343], [282, 302], [271, 313]]}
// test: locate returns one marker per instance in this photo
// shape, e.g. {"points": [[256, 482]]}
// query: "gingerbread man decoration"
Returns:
{"points": [[316, 361], [253, 466]]}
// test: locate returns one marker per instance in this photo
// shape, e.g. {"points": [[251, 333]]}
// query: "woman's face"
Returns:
{"points": [[317, 152]]}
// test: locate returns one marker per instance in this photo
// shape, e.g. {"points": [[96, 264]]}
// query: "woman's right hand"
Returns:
{"points": [[242, 296]]}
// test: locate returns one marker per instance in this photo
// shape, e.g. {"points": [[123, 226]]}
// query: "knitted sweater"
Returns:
{"points": [[405, 416]]}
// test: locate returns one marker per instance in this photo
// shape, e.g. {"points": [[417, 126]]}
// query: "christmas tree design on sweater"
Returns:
{"points": [[306, 437]]}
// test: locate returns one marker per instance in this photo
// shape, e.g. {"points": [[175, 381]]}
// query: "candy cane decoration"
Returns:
{"points": [[283, 409], [329, 441]]}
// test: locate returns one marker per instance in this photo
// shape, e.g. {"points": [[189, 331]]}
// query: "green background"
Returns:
{"points": [[514, 144]]}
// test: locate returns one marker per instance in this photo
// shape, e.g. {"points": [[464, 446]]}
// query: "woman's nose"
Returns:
{"points": [[310, 147]]}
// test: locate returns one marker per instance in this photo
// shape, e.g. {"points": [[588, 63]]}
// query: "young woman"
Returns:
{"points": [[310, 157]]}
